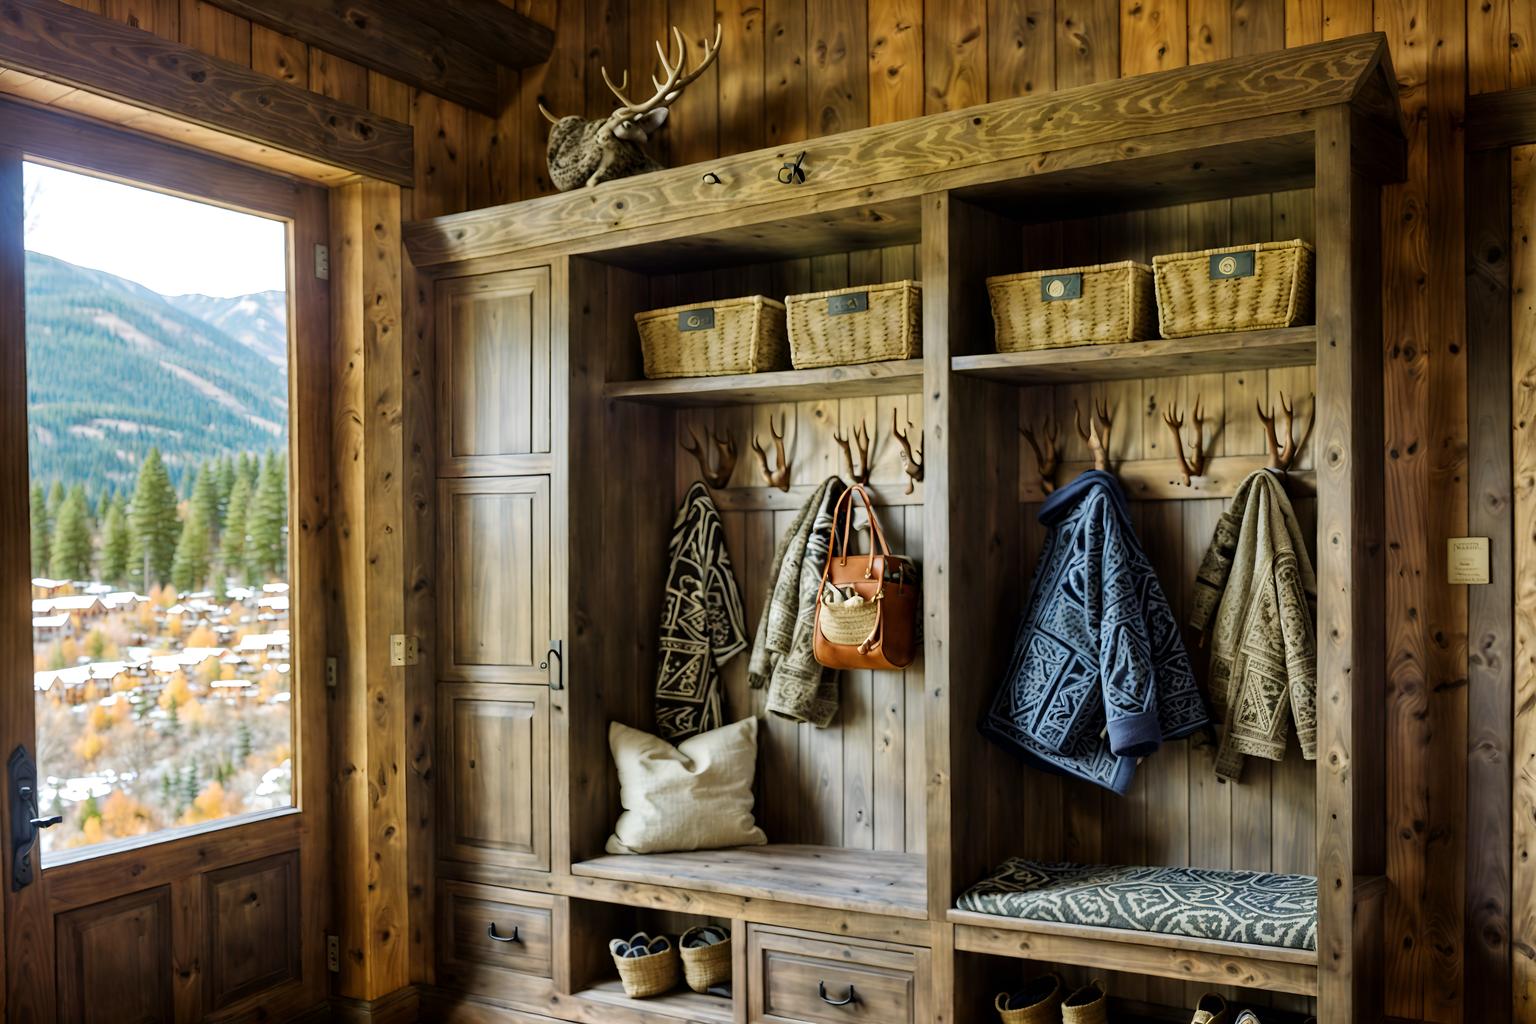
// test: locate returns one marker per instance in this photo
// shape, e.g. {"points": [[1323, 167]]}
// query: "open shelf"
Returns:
{"points": [[866, 881], [682, 1004], [1208, 961], [898, 377], [1163, 357]]}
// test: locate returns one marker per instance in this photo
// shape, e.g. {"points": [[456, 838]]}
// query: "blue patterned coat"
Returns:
{"points": [[1099, 676]]}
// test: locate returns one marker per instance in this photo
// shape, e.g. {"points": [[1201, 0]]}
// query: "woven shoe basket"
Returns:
{"points": [[867, 324], [1100, 305], [704, 966], [646, 976], [743, 335], [1240, 288]]}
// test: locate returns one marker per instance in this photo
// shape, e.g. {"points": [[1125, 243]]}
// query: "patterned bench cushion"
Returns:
{"points": [[1233, 906]]}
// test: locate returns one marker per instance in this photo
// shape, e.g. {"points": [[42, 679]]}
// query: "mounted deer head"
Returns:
{"points": [[588, 152]]}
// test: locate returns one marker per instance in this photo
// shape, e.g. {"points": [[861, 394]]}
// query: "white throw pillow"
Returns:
{"points": [[694, 796]]}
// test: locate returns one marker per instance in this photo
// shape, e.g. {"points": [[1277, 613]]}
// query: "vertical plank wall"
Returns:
{"points": [[792, 69]]}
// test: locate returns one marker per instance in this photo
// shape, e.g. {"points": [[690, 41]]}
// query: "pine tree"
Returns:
{"points": [[205, 498], [42, 533], [267, 553], [70, 558], [190, 567], [225, 479], [116, 543], [56, 496], [153, 518], [244, 741], [232, 548]]}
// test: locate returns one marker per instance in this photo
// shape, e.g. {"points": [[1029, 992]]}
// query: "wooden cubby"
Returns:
{"points": [[877, 824]]}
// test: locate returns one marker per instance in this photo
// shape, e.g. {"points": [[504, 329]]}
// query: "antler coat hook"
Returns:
{"points": [[1048, 455], [858, 473], [1282, 456], [1097, 433], [912, 466], [1194, 464], [718, 475], [777, 477]]}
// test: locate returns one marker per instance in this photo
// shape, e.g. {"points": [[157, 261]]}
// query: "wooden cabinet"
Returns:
{"points": [[493, 368], [494, 599], [804, 978], [493, 776], [495, 941]]}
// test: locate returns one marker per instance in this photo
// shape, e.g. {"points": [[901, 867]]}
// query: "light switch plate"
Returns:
{"points": [[1466, 560]]}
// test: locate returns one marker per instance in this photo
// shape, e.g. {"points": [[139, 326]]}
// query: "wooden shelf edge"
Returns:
{"points": [[1210, 961], [1159, 357], [679, 1004], [897, 377]]}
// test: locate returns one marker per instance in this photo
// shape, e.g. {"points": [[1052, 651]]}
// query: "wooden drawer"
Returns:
{"points": [[799, 977], [495, 941]]}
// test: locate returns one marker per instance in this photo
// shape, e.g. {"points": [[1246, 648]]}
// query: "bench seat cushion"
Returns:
{"points": [[1230, 906]]}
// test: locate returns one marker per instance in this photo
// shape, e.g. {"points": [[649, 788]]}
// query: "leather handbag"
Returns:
{"points": [[868, 613]]}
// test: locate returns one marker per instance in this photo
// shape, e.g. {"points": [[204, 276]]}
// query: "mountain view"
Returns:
{"points": [[194, 376]]}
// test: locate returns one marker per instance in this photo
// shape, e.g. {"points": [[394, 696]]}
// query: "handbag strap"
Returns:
{"points": [[877, 543]]}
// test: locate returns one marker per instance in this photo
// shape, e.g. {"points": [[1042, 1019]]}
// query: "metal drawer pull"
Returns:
{"points": [[821, 989], [514, 937]]}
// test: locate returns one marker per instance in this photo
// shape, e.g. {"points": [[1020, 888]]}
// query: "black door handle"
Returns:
{"points": [[47, 822], [821, 990], [21, 776], [556, 653], [491, 931]]}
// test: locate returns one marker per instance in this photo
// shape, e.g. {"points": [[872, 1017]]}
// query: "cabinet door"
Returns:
{"points": [[494, 559], [493, 787], [493, 368]]}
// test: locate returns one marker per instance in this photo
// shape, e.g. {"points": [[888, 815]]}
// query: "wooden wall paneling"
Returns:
{"points": [[1087, 42], [115, 960], [955, 55], [282, 57], [442, 164], [1408, 473], [1488, 46], [1153, 35], [215, 32], [1490, 609], [1210, 31], [1522, 40], [1021, 47], [338, 78], [369, 701], [1351, 699], [897, 45], [785, 91], [1523, 374], [1257, 26], [740, 79], [694, 122], [160, 17], [1342, 18]]}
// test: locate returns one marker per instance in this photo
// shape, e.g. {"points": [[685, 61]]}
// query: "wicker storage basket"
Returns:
{"points": [[1100, 305], [867, 324], [1241, 288], [645, 976], [705, 966], [743, 335]]}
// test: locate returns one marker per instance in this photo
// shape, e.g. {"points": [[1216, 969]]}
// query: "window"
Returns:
{"points": [[158, 404]]}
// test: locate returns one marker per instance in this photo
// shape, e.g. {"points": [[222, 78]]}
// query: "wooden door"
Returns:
{"points": [[494, 373], [494, 558], [493, 788], [214, 920]]}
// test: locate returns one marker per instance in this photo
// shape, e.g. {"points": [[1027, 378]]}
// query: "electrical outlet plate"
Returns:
{"points": [[332, 672], [403, 649], [333, 954]]}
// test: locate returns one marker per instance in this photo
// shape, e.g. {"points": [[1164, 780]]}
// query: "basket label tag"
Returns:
{"points": [[1061, 287], [1231, 264], [849, 302], [696, 320]]}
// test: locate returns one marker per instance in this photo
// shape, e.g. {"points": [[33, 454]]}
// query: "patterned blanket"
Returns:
{"points": [[1255, 593], [1203, 903], [1099, 676], [782, 658], [702, 622]]}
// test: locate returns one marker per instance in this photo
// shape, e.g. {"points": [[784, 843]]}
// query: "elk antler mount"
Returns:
{"points": [[1096, 434], [910, 464], [1282, 456], [1193, 465], [1047, 455], [716, 472], [857, 472], [590, 151], [776, 477]]}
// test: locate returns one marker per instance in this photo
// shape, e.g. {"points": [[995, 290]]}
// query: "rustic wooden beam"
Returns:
{"points": [[1498, 120], [449, 50], [103, 57]]}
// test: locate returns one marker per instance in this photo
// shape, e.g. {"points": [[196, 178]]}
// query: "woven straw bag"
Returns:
{"points": [[847, 619], [1038, 1003], [708, 964], [868, 324], [745, 335], [1106, 304], [645, 976], [1243, 288]]}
